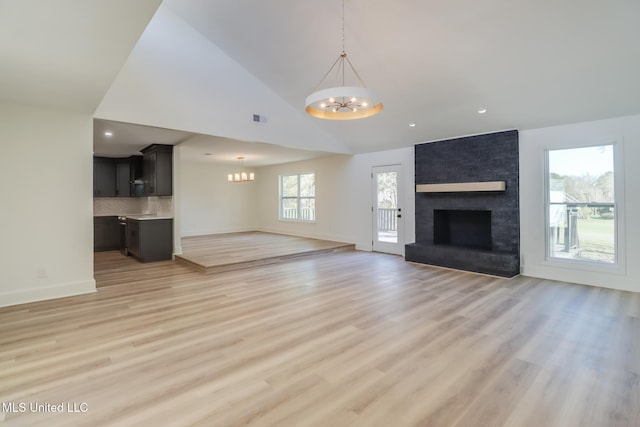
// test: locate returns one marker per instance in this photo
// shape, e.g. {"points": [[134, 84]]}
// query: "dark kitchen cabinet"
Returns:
{"points": [[150, 240], [157, 167], [128, 176], [106, 233], [117, 177], [104, 177], [133, 237], [123, 178]]}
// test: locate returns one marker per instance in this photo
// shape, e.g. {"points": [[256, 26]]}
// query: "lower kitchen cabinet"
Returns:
{"points": [[150, 240], [106, 233]]}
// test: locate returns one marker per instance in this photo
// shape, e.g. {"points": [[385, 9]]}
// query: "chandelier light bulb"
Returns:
{"points": [[343, 103], [241, 175]]}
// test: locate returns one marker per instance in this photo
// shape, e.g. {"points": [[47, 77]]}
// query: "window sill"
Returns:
{"points": [[590, 266], [302, 221]]}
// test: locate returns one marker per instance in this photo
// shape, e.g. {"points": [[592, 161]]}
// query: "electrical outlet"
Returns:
{"points": [[42, 273]]}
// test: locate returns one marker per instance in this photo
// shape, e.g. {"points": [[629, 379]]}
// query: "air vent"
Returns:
{"points": [[257, 118]]}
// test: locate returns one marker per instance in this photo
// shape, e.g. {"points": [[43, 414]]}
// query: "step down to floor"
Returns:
{"points": [[269, 260]]}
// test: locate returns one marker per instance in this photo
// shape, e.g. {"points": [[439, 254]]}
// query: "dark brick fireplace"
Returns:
{"points": [[468, 230]]}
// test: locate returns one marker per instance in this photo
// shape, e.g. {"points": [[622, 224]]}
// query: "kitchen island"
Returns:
{"points": [[150, 237]]}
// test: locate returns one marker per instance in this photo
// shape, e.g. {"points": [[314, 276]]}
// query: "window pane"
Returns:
{"points": [[387, 197], [307, 185], [308, 209], [387, 190], [290, 208], [297, 197], [289, 185], [582, 204]]}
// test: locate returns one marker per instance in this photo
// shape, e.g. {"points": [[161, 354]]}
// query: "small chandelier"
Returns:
{"points": [[342, 102], [241, 175]]}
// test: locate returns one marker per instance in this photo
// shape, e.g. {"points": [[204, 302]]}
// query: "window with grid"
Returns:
{"points": [[298, 197]]}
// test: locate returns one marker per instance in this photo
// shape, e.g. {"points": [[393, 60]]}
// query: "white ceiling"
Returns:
{"points": [[211, 149], [529, 63], [128, 139]]}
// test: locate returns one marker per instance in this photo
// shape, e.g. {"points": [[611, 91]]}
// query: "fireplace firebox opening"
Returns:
{"points": [[462, 228]]}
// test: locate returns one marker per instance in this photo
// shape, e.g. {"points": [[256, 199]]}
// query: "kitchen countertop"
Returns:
{"points": [[147, 217]]}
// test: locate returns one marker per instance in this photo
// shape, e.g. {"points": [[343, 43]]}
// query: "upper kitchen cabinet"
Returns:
{"points": [[157, 167], [104, 177], [117, 177], [128, 174], [123, 178]]}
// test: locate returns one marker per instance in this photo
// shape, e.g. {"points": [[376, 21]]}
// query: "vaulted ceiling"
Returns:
{"points": [[206, 66]]}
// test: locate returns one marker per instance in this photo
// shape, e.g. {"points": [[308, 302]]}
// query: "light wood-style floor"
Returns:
{"points": [[233, 251], [347, 339]]}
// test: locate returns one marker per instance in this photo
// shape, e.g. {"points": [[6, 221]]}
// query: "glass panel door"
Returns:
{"points": [[387, 210]]}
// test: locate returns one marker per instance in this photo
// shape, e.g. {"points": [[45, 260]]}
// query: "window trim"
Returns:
{"points": [[618, 267], [298, 198]]}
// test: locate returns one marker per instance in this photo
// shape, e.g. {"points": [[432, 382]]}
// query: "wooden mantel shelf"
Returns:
{"points": [[458, 187]]}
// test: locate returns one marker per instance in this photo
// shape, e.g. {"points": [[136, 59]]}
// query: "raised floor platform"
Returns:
{"points": [[234, 251]]}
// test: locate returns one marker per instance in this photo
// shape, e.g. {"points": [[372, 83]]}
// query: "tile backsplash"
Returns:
{"points": [[103, 206], [157, 205]]}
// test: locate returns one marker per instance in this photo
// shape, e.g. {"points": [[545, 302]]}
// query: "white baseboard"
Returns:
{"points": [[46, 293]]}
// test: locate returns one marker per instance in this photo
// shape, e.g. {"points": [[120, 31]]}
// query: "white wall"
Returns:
{"points": [[343, 196], [533, 143], [46, 217], [209, 204]]}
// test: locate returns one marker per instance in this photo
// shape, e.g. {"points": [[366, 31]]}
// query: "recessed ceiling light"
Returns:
{"points": [[482, 110], [108, 133], [412, 125]]}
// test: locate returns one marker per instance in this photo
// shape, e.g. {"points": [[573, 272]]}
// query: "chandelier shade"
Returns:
{"points": [[241, 175], [342, 101]]}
